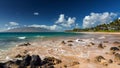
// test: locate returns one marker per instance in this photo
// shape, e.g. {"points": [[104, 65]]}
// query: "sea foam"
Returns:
{"points": [[22, 37]]}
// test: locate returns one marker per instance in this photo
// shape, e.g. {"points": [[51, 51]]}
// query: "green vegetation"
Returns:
{"points": [[111, 27]]}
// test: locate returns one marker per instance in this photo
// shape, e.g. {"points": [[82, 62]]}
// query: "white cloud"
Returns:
{"points": [[65, 22], [13, 24], [36, 13], [52, 27], [98, 18]]}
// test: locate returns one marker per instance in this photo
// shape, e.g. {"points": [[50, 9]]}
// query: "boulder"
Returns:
{"points": [[117, 57], [25, 62], [51, 61], [101, 46], [101, 60], [35, 61], [114, 49], [110, 61]]}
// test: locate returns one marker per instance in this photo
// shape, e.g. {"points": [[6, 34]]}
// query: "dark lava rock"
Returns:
{"points": [[101, 46], [36, 61], [25, 44], [110, 61], [116, 42], [114, 49], [99, 58], [105, 41], [25, 62], [92, 43], [70, 44], [18, 56], [70, 41], [51, 61], [117, 57], [63, 42]]}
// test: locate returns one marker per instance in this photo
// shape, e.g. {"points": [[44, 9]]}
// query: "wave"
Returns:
{"points": [[22, 37]]}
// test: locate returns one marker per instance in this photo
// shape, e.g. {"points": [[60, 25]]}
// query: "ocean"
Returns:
{"points": [[8, 40]]}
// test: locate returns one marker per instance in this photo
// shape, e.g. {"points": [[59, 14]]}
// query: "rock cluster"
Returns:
{"points": [[33, 61]]}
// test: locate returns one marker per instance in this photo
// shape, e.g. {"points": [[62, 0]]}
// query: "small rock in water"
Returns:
{"points": [[63, 42], [92, 43], [70, 41], [25, 44], [105, 41], [70, 44]]}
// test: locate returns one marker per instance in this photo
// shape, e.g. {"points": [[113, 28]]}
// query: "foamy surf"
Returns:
{"points": [[22, 37]]}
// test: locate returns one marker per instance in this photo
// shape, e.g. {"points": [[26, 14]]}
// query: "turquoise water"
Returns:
{"points": [[11, 39]]}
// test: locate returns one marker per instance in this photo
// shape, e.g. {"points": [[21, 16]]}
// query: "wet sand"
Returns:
{"points": [[74, 52]]}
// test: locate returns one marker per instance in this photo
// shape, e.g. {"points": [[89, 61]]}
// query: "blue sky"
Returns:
{"points": [[57, 14]]}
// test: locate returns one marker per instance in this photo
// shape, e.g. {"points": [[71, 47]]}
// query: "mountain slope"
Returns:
{"points": [[29, 29]]}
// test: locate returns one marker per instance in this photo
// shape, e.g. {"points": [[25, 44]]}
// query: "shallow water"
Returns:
{"points": [[8, 40]]}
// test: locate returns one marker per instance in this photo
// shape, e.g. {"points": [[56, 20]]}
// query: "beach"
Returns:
{"points": [[91, 50]]}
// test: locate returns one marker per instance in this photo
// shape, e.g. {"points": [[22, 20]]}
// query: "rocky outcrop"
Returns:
{"points": [[33, 61]]}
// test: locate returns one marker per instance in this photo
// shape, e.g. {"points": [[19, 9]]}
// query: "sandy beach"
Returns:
{"points": [[100, 33], [93, 51]]}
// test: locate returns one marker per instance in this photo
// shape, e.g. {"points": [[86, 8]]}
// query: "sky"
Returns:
{"points": [[57, 14]]}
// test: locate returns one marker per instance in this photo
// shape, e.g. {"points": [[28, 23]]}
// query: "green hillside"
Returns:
{"points": [[111, 27]]}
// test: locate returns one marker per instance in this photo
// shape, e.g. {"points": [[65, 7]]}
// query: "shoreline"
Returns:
{"points": [[114, 33], [74, 52]]}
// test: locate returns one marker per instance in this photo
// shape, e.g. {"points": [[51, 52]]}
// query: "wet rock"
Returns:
{"points": [[92, 43], [25, 44], [36, 61], [114, 49], [116, 42], [117, 57], [70, 44], [25, 62], [63, 42], [70, 41], [18, 56], [51, 61], [101, 46], [75, 63], [105, 41], [99, 58], [110, 61]]}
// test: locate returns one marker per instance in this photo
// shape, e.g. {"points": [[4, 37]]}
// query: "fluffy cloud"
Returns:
{"points": [[98, 18], [65, 22], [13, 24], [52, 27]]}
